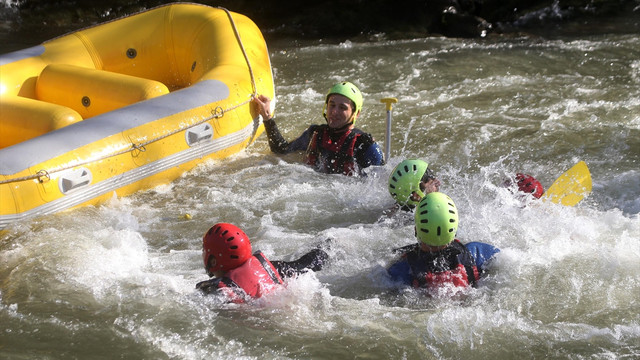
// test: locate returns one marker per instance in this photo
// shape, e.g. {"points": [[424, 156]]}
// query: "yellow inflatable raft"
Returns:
{"points": [[126, 105]]}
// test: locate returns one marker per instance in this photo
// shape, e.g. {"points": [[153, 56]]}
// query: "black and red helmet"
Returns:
{"points": [[529, 185]]}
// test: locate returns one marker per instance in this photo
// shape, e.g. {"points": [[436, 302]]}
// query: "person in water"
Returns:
{"points": [[409, 182], [240, 275], [439, 259], [527, 184], [336, 147]]}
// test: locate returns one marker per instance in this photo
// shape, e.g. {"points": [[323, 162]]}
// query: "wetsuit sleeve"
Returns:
{"points": [[367, 152], [279, 145], [401, 272], [314, 260], [482, 253], [208, 286], [224, 288]]}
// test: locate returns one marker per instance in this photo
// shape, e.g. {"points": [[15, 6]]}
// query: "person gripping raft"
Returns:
{"points": [[336, 147]]}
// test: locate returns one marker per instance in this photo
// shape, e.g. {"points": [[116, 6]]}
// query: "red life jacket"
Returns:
{"points": [[453, 265], [333, 157], [251, 280]]}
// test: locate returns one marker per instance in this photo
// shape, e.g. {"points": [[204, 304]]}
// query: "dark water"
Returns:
{"points": [[117, 281]]}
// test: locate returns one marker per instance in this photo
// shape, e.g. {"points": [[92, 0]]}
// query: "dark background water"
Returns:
{"points": [[357, 19], [117, 281]]}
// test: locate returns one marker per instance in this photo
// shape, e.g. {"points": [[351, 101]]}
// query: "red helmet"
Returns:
{"points": [[224, 247], [529, 184]]}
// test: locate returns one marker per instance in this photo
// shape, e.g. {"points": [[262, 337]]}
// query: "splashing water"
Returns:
{"points": [[120, 277]]}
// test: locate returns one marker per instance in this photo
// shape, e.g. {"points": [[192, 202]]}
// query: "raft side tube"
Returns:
{"points": [[24, 119], [92, 92]]}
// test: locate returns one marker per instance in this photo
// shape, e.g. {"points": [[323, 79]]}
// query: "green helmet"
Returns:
{"points": [[347, 90], [405, 179], [436, 219]]}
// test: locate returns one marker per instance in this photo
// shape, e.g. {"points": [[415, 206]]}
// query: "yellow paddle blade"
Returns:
{"points": [[571, 186]]}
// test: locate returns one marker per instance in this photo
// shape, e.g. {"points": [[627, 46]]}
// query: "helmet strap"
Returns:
{"points": [[341, 129], [428, 248]]}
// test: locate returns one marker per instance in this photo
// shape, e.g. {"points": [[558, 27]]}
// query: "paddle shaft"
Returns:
{"points": [[387, 140]]}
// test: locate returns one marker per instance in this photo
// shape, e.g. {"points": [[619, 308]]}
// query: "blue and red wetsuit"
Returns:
{"points": [[457, 264], [329, 151]]}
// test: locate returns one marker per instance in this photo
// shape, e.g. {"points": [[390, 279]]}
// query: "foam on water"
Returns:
{"points": [[117, 257]]}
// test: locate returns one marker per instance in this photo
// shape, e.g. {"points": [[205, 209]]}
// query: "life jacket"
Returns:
{"points": [[251, 280], [333, 157], [453, 265]]}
